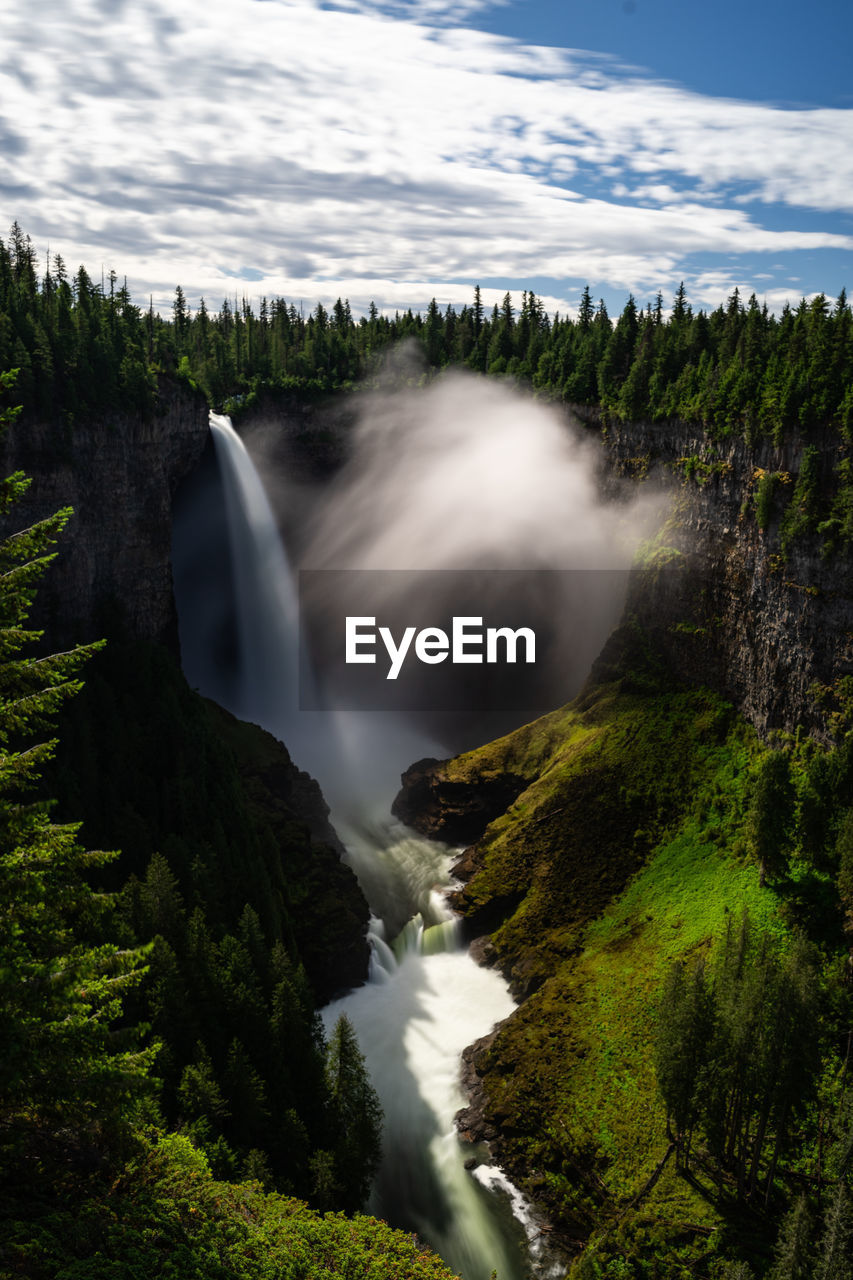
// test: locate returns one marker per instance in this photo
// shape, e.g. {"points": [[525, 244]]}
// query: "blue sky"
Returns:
{"points": [[785, 52], [397, 150]]}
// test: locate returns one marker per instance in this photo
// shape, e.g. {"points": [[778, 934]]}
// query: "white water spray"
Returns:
{"points": [[468, 473]]}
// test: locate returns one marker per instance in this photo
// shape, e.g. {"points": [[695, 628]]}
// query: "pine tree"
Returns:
{"points": [[66, 1078], [834, 1259], [793, 1254], [586, 310], [685, 1032], [770, 814], [356, 1116], [477, 311]]}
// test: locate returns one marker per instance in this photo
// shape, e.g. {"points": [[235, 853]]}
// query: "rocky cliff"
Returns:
{"points": [[454, 811], [120, 475], [717, 600], [113, 578], [721, 601], [771, 631]]}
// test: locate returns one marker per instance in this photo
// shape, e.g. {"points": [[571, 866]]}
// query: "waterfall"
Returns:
{"points": [[266, 605], [426, 999]]}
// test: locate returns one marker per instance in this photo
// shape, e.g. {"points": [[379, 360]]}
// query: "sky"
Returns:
{"points": [[399, 150]]}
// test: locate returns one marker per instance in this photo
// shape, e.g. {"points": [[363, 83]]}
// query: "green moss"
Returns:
{"points": [[701, 468], [612, 780], [764, 498]]}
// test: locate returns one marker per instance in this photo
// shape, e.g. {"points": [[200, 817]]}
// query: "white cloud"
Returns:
{"points": [[419, 10], [327, 148]]}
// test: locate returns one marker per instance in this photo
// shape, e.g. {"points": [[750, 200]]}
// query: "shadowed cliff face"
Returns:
{"points": [[113, 578], [731, 611], [119, 475]]}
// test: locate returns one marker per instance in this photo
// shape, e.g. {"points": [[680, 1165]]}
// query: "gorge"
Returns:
{"points": [[427, 998], [502, 801]]}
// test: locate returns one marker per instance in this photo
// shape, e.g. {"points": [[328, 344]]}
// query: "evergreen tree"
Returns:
{"points": [[793, 1256], [356, 1116], [477, 311], [685, 1031], [770, 814], [834, 1261], [66, 1077], [586, 310], [735, 1055], [801, 514]]}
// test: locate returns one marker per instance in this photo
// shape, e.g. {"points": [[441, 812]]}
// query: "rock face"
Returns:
{"points": [[331, 914], [456, 812], [309, 440], [113, 578], [718, 603], [732, 612], [474, 1122], [301, 444], [119, 475]]}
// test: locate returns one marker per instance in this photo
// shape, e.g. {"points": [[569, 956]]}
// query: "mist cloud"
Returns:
{"points": [[469, 473], [472, 495]]}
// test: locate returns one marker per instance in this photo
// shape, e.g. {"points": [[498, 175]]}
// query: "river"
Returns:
{"points": [[426, 999]]}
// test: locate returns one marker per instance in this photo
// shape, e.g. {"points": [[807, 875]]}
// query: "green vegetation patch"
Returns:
{"points": [[616, 774], [629, 853], [166, 1216], [675, 899]]}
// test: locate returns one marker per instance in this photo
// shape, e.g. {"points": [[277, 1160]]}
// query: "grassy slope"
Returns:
{"points": [[623, 854]]}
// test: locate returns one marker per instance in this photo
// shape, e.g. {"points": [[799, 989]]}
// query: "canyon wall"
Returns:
{"points": [[120, 475], [719, 600], [113, 578], [772, 632]]}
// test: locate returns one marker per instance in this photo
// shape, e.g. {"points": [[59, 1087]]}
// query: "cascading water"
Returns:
{"points": [[426, 998]]}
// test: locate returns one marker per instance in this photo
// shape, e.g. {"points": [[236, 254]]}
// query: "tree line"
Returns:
{"points": [[83, 346]]}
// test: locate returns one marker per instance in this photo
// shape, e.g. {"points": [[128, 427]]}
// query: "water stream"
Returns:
{"points": [[426, 998]]}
